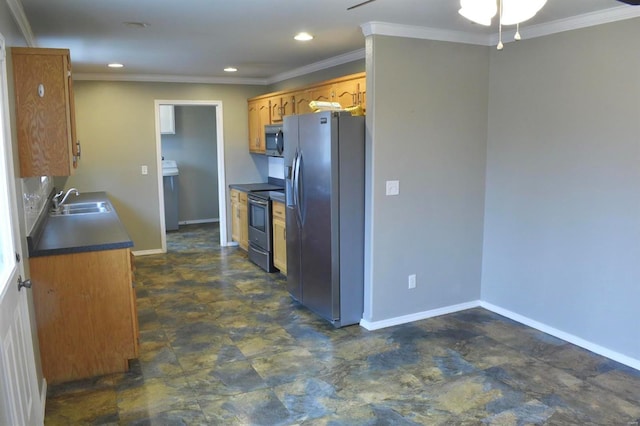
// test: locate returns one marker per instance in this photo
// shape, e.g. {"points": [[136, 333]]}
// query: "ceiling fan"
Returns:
{"points": [[631, 2]]}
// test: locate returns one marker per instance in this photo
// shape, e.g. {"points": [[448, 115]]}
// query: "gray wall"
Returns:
{"points": [[193, 147], [562, 231], [116, 124], [427, 127]]}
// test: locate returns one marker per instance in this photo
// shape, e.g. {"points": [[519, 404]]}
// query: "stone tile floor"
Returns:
{"points": [[222, 343]]}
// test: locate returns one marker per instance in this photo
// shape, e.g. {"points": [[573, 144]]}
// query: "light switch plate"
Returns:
{"points": [[393, 187]]}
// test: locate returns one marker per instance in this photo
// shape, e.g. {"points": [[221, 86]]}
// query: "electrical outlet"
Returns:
{"points": [[144, 170], [393, 187], [412, 281]]}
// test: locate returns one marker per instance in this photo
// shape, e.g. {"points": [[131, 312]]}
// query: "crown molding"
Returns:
{"points": [[318, 66], [160, 78], [154, 78], [23, 23], [425, 33], [618, 13]]}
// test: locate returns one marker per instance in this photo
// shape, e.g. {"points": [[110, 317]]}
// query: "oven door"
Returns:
{"points": [[259, 218]]}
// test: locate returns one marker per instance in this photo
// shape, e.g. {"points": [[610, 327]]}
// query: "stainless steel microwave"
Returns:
{"points": [[274, 140]]}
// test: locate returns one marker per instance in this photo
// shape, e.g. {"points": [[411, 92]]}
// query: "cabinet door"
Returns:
{"points": [[279, 237], [259, 116], [322, 93], [235, 216], [281, 106], [351, 92], [75, 143], [83, 304], [44, 111], [244, 221], [301, 100], [347, 92], [167, 120]]}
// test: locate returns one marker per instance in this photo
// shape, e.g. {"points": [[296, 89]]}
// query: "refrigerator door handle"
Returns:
{"points": [[300, 190], [294, 180]]}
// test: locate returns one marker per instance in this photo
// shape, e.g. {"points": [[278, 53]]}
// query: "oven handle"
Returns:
{"points": [[257, 201], [260, 251]]}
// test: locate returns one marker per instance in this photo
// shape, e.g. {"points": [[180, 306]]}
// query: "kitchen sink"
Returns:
{"points": [[81, 208]]}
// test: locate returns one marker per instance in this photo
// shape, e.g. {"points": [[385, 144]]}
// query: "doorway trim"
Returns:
{"points": [[222, 204]]}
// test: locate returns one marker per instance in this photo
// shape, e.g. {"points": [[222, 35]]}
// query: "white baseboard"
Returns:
{"points": [[600, 350], [197, 221], [376, 325], [147, 252]]}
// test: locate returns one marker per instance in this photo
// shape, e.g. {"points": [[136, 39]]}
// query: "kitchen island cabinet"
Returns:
{"points": [[279, 236], [45, 112]]}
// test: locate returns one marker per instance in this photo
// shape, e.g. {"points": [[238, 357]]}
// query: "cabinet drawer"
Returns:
{"points": [[278, 210]]}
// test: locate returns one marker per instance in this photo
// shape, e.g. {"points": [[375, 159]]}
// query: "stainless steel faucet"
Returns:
{"points": [[57, 203]]}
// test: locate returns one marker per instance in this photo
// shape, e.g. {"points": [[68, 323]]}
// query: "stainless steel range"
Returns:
{"points": [[260, 230]]}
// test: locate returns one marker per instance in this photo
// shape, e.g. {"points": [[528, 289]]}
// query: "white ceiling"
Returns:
{"points": [[190, 39]]}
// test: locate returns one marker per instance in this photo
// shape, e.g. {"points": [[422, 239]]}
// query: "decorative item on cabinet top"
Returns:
{"points": [[350, 91], [45, 112]]}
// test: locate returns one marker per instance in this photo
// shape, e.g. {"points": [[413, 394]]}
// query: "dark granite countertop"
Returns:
{"points": [[251, 187], [55, 235], [277, 196]]}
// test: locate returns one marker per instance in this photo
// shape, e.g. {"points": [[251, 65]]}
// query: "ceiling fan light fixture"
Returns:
{"points": [[478, 11], [303, 36], [518, 11]]}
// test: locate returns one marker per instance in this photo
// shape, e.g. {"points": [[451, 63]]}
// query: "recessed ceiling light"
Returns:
{"points": [[231, 69], [303, 37], [115, 65]]}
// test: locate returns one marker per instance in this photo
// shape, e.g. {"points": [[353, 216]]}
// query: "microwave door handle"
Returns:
{"points": [[280, 142]]}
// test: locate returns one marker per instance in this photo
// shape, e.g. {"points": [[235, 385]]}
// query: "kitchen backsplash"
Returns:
{"points": [[276, 167], [35, 192]]}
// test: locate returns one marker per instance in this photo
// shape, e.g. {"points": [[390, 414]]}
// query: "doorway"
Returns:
{"points": [[217, 188]]}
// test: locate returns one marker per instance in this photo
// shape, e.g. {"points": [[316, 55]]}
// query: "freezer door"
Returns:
{"points": [[294, 277], [315, 194]]}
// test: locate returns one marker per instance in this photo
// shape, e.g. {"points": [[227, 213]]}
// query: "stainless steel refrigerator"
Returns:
{"points": [[324, 186]]}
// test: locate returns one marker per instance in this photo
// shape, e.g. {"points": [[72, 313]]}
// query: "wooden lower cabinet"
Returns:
{"points": [[279, 236], [86, 314], [239, 218]]}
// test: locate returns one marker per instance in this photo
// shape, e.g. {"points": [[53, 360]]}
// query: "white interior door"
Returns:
{"points": [[19, 397]]}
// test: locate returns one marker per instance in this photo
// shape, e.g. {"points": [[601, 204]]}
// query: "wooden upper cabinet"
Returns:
{"points": [[280, 106], [259, 115], [350, 92], [45, 112], [302, 99], [272, 108], [322, 93]]}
